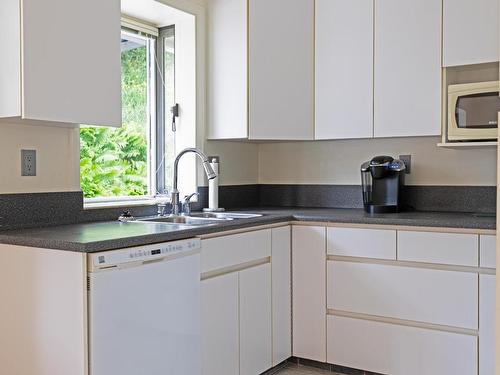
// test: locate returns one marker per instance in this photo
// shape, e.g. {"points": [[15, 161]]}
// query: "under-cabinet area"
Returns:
{"points": [[380, 298]]}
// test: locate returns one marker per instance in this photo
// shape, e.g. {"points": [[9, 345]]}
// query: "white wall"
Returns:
{"points": [[57, 158], [338, 162]]}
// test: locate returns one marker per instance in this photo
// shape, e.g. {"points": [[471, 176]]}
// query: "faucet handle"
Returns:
{"points": [[186, 205], [187, 198]]}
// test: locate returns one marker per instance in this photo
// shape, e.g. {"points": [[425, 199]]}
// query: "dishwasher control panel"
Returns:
{"points": [[115, 258]]}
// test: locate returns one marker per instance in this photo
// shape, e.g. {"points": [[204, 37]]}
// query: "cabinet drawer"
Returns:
{"points": [[416, 294], [442, 248], [399, 350], [367, 243], [221, 252], [488, 251]]}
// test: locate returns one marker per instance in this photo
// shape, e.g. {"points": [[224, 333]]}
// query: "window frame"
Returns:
{"points": [[157, 117], [161, 111]]}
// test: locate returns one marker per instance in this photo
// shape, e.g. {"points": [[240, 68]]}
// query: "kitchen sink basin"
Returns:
{"points": [[185, 220], [201, 218], [226, 215]]}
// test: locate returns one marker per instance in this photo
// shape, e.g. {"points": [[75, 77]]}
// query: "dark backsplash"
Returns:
{"points": [[478, 199], [42, 209]]}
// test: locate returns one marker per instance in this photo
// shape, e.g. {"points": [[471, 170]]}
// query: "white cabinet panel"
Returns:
{"points": [[281, 69], [309, 292], [416, 294], [369, 243], [444, 248], [70, 67], [487, 324], [227, 69], [488, 251], [255, 320], [220, 252], [399, 350], [471, 31], [281, 264], [220, 325], [44, 312], [10, 68], [344, 69], [407, 68]]}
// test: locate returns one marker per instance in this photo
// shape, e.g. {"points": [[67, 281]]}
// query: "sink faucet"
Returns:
{"points": [[208, 170]]}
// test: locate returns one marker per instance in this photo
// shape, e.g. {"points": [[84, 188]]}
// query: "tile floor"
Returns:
{"points": [[293, 369]]}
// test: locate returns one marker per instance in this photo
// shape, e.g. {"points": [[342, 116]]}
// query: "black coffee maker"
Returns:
{"points": [[382, 181]]}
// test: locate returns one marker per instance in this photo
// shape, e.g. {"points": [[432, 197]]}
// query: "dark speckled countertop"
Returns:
{"points": [[102, 236]]}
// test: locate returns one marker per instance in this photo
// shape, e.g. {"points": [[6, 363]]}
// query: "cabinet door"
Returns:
{"points": [[407, 68], [487, 324], [10, 68], [488, 251], [441, 297], [399, 350], [71, 69], [309, 292], [281, 263], [281, 38], [344, 69], [365, 243], [255, 320], [219, 325], [227, 69], [471, 31]]}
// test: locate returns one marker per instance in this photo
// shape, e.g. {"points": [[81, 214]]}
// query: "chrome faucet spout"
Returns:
{"points": [[206, 165]]}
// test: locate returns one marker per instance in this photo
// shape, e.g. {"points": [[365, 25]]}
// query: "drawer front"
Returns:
{"points": [[416, 294], [441, 248], [367, 243], [399, 350], [488, 251], [222, 252]]}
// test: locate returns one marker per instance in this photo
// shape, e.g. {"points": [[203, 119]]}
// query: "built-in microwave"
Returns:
{"points": [[473, 111]]}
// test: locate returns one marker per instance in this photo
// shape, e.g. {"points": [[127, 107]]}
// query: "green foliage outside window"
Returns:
{"points": [[114, 162]]}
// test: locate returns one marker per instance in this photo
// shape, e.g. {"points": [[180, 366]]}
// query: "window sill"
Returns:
{"points": [[117, 204]]}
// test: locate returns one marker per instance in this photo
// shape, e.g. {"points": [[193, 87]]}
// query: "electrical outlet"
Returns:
{"points": [[28, 162], [407, 160]]}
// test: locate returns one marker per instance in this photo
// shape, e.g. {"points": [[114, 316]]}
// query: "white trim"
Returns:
{"points": [[96, 203], [139, 25]]}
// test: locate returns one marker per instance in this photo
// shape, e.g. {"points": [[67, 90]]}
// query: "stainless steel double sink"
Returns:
{"points": [[201, 219]]}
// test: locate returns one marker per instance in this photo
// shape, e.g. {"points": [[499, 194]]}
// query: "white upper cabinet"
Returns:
{"points": [[64, 61], [281, 70], [407, 68], [471, 32], [344, 69], [227, 69], [261, 69]]}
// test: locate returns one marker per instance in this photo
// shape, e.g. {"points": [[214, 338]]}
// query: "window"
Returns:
{"points": [[134, 162]]}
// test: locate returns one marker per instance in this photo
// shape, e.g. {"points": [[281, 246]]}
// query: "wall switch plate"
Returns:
{"points": [[28, 162], [407, 160]]}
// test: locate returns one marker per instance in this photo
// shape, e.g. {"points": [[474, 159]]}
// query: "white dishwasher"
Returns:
{"points": [[144, 310]]}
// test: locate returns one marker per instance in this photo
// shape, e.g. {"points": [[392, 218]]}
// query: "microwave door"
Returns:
{"points": [[478, 111], [472, 111]]}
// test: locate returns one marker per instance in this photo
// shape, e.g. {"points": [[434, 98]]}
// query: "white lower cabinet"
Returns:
{"points": [[281, 263], [487, 285], [255, 320], [220, 325], [432, 296], [399, 350], [246, 302], [309, 292]]}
